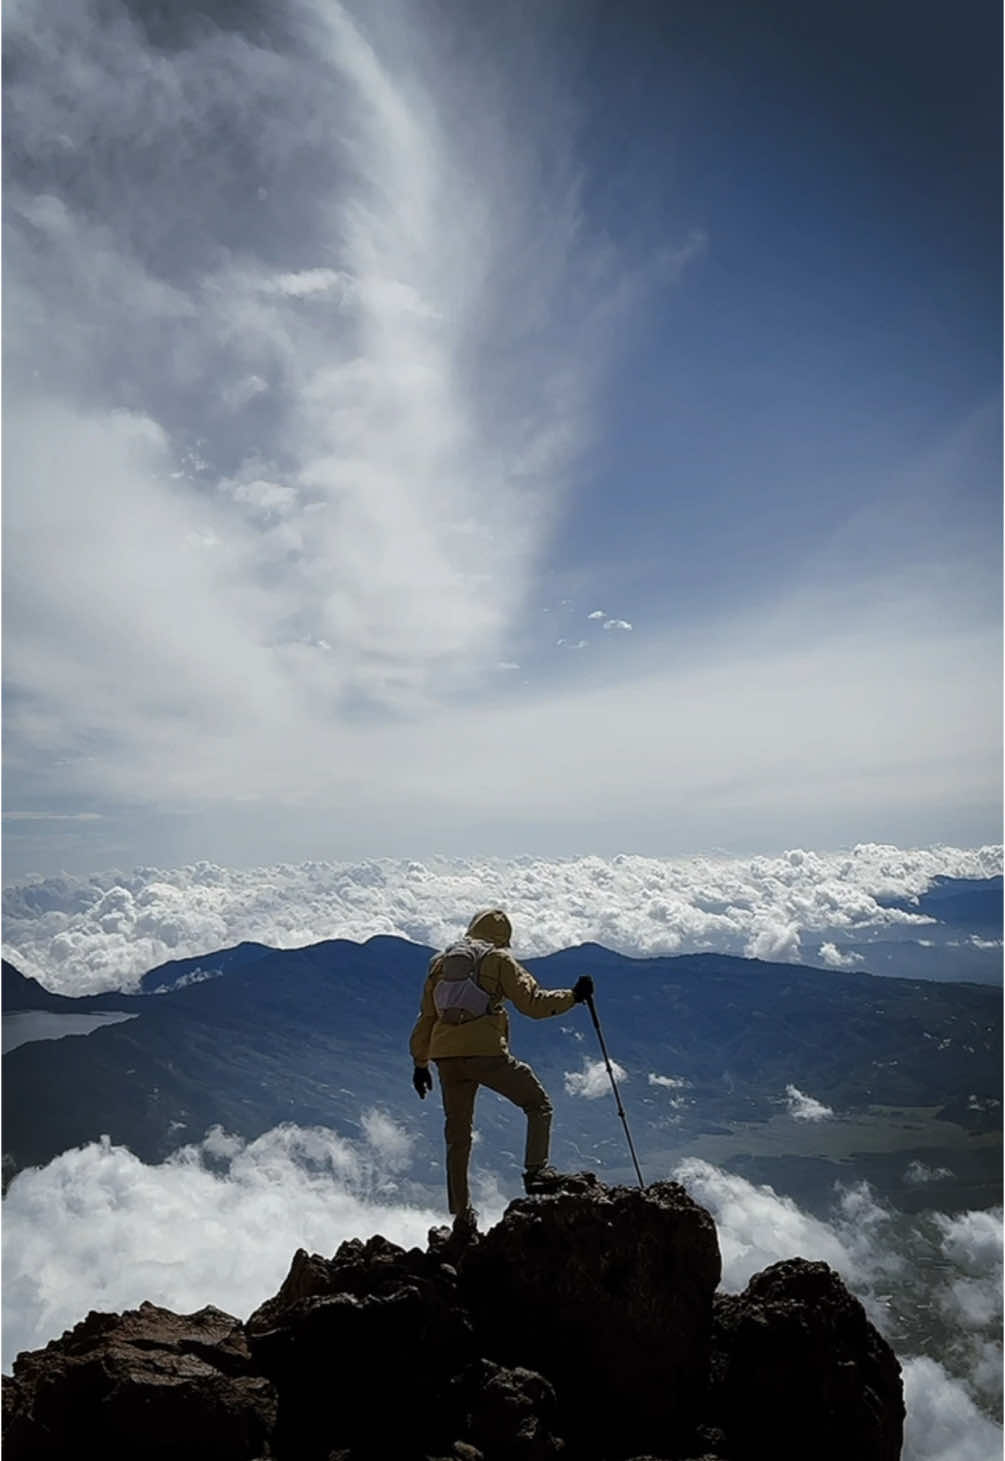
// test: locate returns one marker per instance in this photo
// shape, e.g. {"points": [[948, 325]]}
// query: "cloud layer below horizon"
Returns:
{"points": [[83, 935]]}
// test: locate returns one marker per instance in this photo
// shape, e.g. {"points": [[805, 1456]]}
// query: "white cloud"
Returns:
{"points": [[597, 614], [805, 1108], [381, 287], [943, 1423], [773, 940], [217, 1223], [309, 281], [829, 954], [390, 1143], [593, 1081], [917, 1172], [422, 398], [877, 1253], [81, 935], [973, 1238], [758, 1227], [672, 1083], [220, 1220]]}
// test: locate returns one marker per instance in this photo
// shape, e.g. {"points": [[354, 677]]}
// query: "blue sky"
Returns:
{"points": [[356, 356]]}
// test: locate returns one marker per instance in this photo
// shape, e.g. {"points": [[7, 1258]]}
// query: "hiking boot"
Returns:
{"points": [[541, 1179]]}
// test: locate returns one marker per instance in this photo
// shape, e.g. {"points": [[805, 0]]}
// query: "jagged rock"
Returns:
{"points": [[144, 1383], [608, 1292], [509, 1413], [583, 1326], [800, 1371], [367, 1270], [362, 1350]]}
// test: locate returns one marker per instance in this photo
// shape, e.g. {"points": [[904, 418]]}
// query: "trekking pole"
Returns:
{"points": [[614, 1086]]}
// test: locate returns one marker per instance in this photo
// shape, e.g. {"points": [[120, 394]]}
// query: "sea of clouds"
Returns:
{"points": [[81, 935], [219, 1221]]}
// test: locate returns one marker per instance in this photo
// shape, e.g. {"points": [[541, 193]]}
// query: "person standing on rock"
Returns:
{"points": [[463, 1026]]}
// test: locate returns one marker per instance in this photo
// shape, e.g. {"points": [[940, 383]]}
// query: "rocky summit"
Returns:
{"points": [[585, 1325]]}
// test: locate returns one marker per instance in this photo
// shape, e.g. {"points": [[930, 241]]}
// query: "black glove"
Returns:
{"points": [[582, 989], [422, 1081]]}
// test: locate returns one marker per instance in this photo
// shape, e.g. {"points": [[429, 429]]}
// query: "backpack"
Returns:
{"points": [[458, 996]]}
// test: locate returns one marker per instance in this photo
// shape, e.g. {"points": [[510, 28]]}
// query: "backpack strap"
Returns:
{"points": [[496, 997]]}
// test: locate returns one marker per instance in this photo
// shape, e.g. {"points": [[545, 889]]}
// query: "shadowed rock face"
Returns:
{"points": [[584, 1326], [607, 1291], [144, 1383], [800, 1370]]}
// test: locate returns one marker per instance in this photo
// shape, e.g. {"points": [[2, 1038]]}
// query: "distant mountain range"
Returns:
{"points": [[249, 1037], [971, 903], [964, 942]]}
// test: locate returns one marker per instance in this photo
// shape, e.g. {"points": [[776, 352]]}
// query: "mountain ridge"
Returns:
{"points": [[319, 1035]]}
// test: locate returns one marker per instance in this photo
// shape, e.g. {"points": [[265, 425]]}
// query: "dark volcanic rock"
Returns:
{"points": [[144, 1383], [363, 1350], [607, 1291], [800, 1371], [584, 1327], [509, 1413]]}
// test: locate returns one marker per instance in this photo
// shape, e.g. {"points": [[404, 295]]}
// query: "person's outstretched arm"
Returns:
{"points": [[520, 986]]}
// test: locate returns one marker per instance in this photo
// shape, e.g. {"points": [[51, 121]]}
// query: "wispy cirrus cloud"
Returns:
{"points": [[319, 388], [310, 315]]}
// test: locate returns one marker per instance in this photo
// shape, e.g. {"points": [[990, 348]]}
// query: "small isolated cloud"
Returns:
{"points": [[774, 941], [568, 643], [832, 956], [592, 1081], [269, 498], [306, 282], [805, 1108], [507, 664], [917, 1173], [597, 614], [973, 1239], [196, 976], [616, 624], [672, 1083]]}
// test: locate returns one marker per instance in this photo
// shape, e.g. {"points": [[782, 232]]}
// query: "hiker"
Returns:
{"points": [[463, 1026]]}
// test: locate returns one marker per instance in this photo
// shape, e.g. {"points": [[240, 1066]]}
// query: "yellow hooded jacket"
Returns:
{"points": [[501, 977]]}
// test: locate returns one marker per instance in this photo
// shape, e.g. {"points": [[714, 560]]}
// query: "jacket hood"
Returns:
{"points": [[492, 926]]}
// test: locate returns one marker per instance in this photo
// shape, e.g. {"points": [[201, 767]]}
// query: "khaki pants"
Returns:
{"points": [[460, 1077]]}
